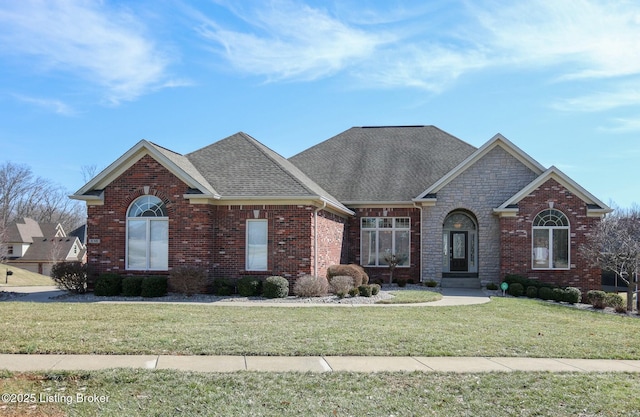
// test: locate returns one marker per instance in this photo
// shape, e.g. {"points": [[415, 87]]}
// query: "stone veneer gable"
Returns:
{"points": [[485, 185]]}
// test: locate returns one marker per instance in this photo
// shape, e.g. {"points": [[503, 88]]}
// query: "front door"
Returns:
{"points": [[458, 251]]}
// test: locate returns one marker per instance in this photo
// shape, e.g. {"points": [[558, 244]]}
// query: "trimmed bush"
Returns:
{"points": [[572, 295], [223, 287], [108, 285], [341, 284], [615, 301], [153, 286], [357, 272], [558, 294], [310, 286], [249, 286], [545, 293], [70, 276], [516, 289], [365, 290], [132, 286], [432, 284], [532, 291], [275, 287], [492, 286], [188, 280], [401, 282], [353, 292], [375, 289], [596, 298]]}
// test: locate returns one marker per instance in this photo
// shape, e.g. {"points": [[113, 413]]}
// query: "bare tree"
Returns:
{"points": [[88, 172], [614, 245], [23, 195]]}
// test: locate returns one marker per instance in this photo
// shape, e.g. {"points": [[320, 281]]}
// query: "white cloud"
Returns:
{"points": [[292, 41], [389, 46], [597, 38], [623, 125], [52, 105], [623, 95], [104, 46]]}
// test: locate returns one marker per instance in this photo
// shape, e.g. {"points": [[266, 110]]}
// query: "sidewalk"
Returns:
{"points": [[28, 363], [450, 297]]}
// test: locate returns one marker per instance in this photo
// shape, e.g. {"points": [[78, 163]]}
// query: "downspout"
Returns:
{"points": [[315, 237], [421, 228]]}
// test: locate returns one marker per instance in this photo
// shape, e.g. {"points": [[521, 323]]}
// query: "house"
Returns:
{"points": [[453, 213], [36, 247]]}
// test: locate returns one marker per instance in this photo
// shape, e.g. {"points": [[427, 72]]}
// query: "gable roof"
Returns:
{"points": [[497, 140], [174, 162], [53, 249], [382, 164], [25, 230], [243, 168], [236, 168], [595, 207]]}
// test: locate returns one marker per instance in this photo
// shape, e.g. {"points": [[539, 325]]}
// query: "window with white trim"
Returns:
{"points": [[384, 236], [147, 235], [550, 240], [256, 245]]}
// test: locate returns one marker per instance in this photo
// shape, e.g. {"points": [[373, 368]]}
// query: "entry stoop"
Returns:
{"points": [[460, 282]]}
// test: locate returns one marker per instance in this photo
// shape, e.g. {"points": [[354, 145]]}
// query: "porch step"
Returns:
{"points": [[454, 282]]}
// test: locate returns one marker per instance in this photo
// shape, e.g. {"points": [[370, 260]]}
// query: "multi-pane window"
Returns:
{"points": [[550, 240], [147, 235], [385, 236], [257, 245]]}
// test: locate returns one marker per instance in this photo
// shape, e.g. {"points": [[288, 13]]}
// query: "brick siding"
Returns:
{"points": [[212, 237], [516, 241], [382, 273]]}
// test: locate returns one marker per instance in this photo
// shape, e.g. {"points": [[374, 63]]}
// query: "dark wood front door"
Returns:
{"points": [[458, 251]]}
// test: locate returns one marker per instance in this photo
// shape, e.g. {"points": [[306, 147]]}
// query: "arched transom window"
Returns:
{"points": [[147, 235], [550, 240]]}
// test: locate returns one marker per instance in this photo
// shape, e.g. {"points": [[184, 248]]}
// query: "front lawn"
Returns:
{"points": [[504, 327], [170, 393]]}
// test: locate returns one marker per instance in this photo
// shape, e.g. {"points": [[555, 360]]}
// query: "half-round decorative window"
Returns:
{"points": [[459, 221], [551, 218], [147, 206], [147, 235]]}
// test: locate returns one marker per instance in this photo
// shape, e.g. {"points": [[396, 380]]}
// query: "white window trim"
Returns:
{"points": [[148, 241], [377, 229], [246, 245], [550, 230]]}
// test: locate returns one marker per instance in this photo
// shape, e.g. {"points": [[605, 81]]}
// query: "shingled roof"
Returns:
{"points": [[241, 167], [382, 164]]}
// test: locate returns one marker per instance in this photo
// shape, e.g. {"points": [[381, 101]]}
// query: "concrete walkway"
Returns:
{"points": [[450, 297], [27, 363]]}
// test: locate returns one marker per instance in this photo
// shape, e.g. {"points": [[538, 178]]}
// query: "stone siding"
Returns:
{"points": [[491, 181]]}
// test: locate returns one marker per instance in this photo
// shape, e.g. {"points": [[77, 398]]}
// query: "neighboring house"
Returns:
{"points": [[36, 247], [455, 214]]}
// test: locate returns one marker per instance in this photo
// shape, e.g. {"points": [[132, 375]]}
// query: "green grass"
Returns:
{"points": [[504, 327], [22, 277], [169, 393], [412, 297]]}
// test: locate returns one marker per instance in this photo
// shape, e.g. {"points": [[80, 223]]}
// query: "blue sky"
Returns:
{"points": [[83, 81]]}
